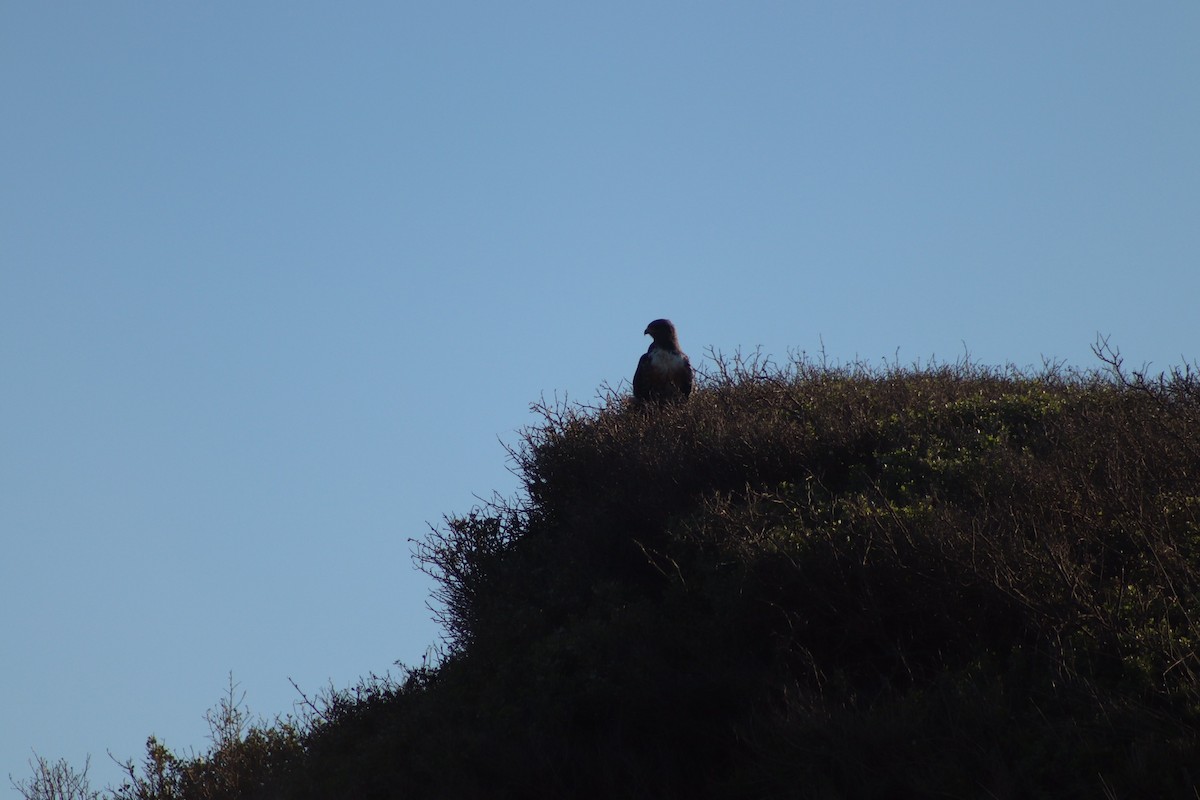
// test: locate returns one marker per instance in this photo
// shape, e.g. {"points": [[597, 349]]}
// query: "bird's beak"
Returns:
{"points": [[646, 332]]}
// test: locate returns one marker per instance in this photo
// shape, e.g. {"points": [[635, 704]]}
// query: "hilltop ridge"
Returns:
{"points": [[808, 581]]}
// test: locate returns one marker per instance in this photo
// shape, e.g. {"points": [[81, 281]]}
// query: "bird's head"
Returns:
{"points": [[662, 331]]}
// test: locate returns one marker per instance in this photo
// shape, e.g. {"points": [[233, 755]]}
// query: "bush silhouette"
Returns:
{"points": [[808, 581]]}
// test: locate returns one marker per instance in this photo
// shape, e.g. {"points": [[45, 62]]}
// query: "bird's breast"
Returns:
{"points": [[665, 360]]}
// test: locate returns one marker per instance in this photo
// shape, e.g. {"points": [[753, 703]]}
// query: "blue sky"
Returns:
{"points": [[278, 280]]}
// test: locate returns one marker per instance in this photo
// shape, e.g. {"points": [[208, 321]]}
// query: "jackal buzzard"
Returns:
{"points": [[664, 372]]}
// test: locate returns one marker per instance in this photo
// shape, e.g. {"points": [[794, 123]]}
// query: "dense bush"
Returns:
{"points": [[808, 581], [974, 581]]}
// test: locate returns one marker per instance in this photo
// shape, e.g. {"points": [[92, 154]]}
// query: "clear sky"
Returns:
{"points": [[278, 280]]}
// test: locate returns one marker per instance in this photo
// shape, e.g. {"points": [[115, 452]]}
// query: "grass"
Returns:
{"points": [[808, 581]]}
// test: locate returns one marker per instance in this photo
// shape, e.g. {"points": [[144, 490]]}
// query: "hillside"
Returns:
{"points": [[808, 581]]}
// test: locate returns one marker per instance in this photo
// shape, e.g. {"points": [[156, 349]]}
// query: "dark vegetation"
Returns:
{"points": [[809, 581]]}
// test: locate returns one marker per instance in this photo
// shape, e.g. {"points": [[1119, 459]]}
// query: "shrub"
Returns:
{"points": [[809, 580]]}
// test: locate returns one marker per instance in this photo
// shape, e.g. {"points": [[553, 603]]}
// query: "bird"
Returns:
{"points": [[664, 373]]}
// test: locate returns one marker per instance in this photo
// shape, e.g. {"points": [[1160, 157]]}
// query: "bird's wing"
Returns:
{"points": [[683, 376], [643, 378]]}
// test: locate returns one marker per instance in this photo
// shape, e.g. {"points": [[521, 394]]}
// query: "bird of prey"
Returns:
{"points": [[664, 372]]}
